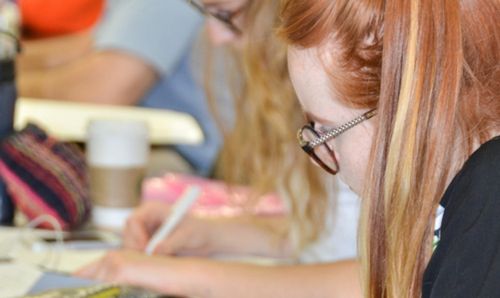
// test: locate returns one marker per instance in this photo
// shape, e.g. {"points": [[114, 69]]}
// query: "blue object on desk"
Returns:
{"points": [[6, 206], [51, 280], [59, 285]]}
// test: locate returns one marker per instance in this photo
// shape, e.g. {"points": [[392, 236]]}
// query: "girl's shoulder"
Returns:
{"points": [[480, 175], [465, 262]]}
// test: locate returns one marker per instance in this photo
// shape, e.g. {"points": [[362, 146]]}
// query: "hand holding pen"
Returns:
{"points": [[177, 213]]}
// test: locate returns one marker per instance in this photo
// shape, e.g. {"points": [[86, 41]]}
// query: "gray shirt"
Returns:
{"points": [[162, 33], [158, 31]]}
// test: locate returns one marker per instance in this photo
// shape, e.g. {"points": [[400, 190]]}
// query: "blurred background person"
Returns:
{"points": [[139, 53], [259, 151]]}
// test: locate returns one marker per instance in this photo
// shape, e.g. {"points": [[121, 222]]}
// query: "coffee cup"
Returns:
{"points": [[117, 156]]}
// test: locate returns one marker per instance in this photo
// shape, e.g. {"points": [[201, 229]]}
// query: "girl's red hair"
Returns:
{"points": [[432, 70]]}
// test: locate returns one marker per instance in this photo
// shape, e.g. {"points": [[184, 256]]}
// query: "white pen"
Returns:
{"points": [[179, 209]]}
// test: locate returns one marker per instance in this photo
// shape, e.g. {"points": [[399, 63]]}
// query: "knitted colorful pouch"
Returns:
{"points": [[45, 176]]}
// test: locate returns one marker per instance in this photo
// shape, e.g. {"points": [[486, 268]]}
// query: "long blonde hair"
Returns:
{"points": [[261, 149], [432, 70]]}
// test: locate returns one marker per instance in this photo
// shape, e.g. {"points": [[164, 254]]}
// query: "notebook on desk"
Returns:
{"points": [[53, 285], [28, 281], [18, 279], [69, 120], [50, 281]]}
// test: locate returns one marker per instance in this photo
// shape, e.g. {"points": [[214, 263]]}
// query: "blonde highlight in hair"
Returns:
{"points": [[437, 101], [261, 149]]}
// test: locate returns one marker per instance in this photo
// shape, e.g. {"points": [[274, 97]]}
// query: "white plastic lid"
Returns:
{"points": [[117, 143]]}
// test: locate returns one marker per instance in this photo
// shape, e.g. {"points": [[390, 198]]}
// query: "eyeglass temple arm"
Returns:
{"points": [[204, 12], [197, 6]]}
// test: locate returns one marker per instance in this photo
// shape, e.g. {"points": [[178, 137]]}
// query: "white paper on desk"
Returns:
{"points": [[67, 261], [16, 279]]}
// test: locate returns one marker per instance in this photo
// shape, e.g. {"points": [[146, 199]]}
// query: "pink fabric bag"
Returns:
{"points": [[217, 198]]}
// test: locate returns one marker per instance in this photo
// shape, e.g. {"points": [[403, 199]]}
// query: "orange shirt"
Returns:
{"points": [[46, 18]]}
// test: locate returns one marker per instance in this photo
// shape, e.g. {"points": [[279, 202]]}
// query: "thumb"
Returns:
{"points": [[136, 236]]}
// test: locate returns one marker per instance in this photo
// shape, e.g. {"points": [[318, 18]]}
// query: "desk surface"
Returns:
{"points": [[20, 268], [27, 246], [69, 120]]}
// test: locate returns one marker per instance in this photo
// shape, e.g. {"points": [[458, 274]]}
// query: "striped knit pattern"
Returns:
{"points": [[45, 176]]}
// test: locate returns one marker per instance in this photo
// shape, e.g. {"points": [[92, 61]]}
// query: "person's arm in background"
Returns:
{"points": [[248, 234], [136, 42], [46, 53], [62, 33], [107, 77], [204, 278]]}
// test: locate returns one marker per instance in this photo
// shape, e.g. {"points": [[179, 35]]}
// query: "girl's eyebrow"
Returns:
{"points": [[212, 5], [325, 124]]}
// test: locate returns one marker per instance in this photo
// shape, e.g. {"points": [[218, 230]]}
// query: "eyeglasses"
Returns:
{"points": [[315, 144], [226, 17]]}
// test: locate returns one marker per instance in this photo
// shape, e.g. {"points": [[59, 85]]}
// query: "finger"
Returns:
{"points": [[157, 213], [89, 271], [104, 269], [164, 248], [141, 214], [150, 214], [135, 237], [172, 244]]}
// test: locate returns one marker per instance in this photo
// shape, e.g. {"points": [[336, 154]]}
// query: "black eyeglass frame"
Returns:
{"points": [[225, 18], [323, 138]]}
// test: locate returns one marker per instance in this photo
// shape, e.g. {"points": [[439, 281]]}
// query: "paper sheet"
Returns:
{"points": [[24, 246], [16, 279]]}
